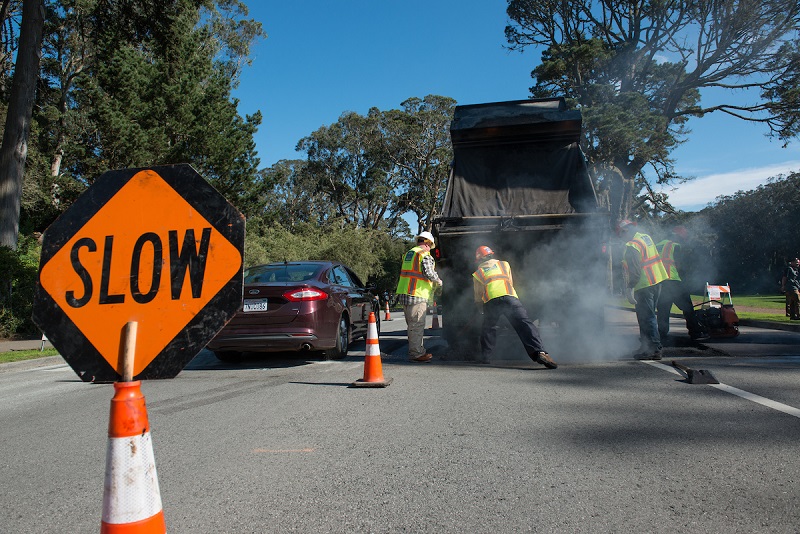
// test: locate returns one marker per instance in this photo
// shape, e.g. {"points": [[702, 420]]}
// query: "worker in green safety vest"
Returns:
{"points": [[494, 291], [418, 282], [673, 289], [644, 271]]}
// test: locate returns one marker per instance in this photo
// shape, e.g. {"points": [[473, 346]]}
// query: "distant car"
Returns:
{"points": [[298, 306]]}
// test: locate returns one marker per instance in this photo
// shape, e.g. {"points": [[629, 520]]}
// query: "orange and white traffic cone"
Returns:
{"points": [[373, 370], [435, 321], [388, 316], [131, 498]]}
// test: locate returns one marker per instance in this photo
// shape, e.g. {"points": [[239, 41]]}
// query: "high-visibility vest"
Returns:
{"points": [[412, 281], [496, 280], [653, 271], [666, 249]]}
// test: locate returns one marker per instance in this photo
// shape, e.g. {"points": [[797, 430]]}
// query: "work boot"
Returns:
{"points": [[698, 335], [423, 358], [545, 359], [648, 355]]}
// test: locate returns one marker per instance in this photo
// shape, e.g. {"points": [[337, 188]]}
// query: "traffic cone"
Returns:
{"points": [[388, 316], [131, 498], [373, 370], [435, 322]]}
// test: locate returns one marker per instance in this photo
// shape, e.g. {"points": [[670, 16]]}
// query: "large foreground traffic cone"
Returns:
{"points": [[435, 322], [388, 316], [373, 370], [131, 498]]}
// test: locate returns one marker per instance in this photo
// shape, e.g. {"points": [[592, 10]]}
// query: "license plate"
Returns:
{"points": [[255, 305]]}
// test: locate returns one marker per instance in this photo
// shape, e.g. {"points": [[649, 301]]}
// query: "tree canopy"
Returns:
{"points": [[637, 70], [130, 84], [377, 167], [740, 251]]}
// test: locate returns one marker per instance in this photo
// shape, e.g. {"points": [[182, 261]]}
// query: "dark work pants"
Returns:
{"points": [[793, 304], [512, 308], [673, 291], [646, 299]]}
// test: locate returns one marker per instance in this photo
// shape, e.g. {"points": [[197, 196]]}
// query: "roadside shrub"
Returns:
{"points": [[372, 254], [18, 274]]}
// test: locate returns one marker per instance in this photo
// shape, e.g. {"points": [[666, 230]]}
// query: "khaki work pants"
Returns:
{"points": [[415, 319]]}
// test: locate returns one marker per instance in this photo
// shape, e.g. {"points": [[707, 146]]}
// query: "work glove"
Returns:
{"points": [[629, 295]]}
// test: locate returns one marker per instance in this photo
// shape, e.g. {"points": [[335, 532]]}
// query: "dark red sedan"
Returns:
{"points": [[298, 306]]}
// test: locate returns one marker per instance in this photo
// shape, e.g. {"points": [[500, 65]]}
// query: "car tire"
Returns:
{"points": [[230, 356], [342, 341]]}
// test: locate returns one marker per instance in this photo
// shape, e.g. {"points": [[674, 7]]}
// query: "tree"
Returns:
{"points": [[636, 69], [291, 196], [67, 52], [10, 13], [348, 161], [160, 91], [783, 96], [741, 252], [14, 149], [419, 148]]}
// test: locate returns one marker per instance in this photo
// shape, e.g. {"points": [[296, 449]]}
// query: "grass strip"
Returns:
{"points": [[19, 355]]}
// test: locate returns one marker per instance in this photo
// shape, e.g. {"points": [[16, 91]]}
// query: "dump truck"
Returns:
{"points": [[520, 184]]}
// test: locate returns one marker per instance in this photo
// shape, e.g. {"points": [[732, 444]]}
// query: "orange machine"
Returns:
{"points": [[717, 316]]}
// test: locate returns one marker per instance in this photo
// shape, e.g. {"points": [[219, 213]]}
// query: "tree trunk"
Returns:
{"points": [[615, 192], [14, 149]]}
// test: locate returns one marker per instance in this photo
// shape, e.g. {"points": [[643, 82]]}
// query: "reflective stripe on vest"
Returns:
{"points": [[495, 279], [412, 281], [667, 250], [653, 271]]}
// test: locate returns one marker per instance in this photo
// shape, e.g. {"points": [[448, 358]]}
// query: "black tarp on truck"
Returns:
{"points": [[520, 185]]}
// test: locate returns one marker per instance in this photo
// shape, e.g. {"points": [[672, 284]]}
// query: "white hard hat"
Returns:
{"points": [[428, 237]]}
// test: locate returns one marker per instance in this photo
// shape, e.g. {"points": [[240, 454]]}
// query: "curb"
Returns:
{"points": [[755, 323], [33, 363]]}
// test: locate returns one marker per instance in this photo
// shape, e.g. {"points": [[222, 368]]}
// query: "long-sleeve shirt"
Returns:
{"points": [[633, 260]]}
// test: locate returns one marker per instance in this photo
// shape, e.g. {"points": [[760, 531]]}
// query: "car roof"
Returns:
{"points": [[302, 262]]}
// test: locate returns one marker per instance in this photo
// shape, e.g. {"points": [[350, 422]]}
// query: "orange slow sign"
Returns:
{"points": [[148, 255]]}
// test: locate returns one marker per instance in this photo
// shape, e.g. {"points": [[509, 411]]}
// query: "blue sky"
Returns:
{"points": [[323, 58]]}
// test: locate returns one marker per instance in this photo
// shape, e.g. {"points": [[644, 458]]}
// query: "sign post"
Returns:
{"points": [[156, 246]]}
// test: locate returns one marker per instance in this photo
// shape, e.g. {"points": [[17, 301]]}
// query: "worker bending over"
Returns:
{"points": [[494, 291], [673, 289], [643, 271]]}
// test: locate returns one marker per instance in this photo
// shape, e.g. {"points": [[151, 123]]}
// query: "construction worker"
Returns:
{"points": [[673, 290], [418, 281], [644, 272], [494, 293], [790, 285]]}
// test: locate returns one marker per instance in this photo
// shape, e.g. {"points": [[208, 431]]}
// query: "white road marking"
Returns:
{"points": [[759, 399], [769, 403]]}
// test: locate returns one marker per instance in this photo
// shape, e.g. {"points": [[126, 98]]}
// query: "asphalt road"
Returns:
{"points": [[281, 444]]}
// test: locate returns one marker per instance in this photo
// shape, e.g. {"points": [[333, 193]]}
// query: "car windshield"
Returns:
{"points": [[289, 272]]}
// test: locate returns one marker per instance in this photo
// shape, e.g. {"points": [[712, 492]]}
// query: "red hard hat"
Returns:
{"points": [[681, 231], [623, 224], [483, 251]]}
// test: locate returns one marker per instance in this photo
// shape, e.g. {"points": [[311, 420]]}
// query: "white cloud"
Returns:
{"points": [[697, 193]]}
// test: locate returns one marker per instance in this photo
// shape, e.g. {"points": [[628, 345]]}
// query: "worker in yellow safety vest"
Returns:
{"points": [[418, 282], [493, 291], [673, 289], [644, 271]]}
